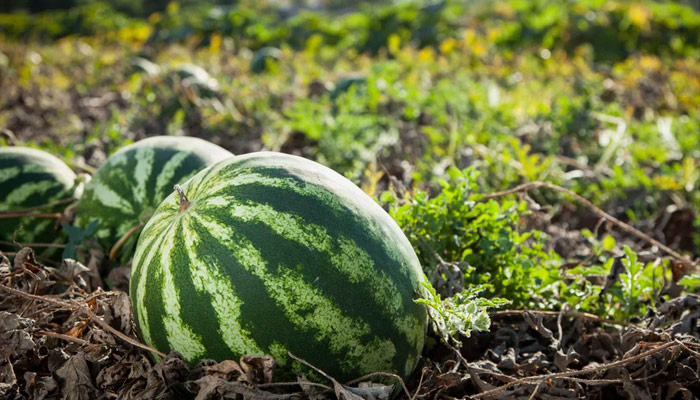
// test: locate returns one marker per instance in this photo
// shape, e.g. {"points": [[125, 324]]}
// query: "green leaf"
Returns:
{"points": [[608, 243], [460, 314], [387, 197], [691, 282], [589, 271], [74, 233], [91, 228]]}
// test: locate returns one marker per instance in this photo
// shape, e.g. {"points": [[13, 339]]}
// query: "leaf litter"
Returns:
{"points": [[64, 337]]}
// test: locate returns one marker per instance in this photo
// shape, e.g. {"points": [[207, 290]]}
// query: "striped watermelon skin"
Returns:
{"points": [[133, 181], [31, 178], [279, 254]]}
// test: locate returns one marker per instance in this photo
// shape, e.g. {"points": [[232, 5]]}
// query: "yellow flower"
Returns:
{"points": [[448, 45]]}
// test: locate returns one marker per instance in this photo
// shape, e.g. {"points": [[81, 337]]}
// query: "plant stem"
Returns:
{"points": [[22, 214], [184, 203], [122, 240]]}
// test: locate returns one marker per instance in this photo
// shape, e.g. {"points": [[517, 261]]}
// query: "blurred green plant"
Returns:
{"points": [[614, 29]]}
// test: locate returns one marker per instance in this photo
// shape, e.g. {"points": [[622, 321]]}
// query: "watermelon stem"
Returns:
{"points": [[115, 249], [184, 203]]}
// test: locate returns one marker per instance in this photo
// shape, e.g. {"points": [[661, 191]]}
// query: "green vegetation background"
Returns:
{"points": [[454, 99]]}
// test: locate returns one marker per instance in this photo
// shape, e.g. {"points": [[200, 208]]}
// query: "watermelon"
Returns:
{"points": [[126, 189], [197, 79], [263, 58], [343, 85], [31, 178], [267, 253]]}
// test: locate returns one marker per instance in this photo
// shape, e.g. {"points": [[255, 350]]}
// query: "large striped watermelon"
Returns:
{"points": [[272, 253], [126, 189], [31, 178]]}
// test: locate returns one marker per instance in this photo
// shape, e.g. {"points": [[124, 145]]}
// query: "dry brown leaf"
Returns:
{"points": [[72, 272], [39, 387], [258, 369], [212, 388], [75, 379]]}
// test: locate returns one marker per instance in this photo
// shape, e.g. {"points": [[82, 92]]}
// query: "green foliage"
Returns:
{"points": [[630, 289], [349, 131], [691, 283], [460, 314], [85, 20], [464, 241], [613, 30], [456, 226], [77, 237], [638, 286]]}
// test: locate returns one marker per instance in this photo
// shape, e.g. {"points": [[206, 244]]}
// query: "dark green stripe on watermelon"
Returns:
{"points": [[36, 198]]}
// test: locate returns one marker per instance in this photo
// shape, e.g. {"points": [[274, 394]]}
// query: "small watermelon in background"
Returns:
{"points": [[267, 253], [197, 80], [32, 178], [126, 189], [343, 85], [264, 58]]}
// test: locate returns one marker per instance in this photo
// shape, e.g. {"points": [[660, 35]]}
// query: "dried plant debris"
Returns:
{"points": [[563, 358], [64, 337]]}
